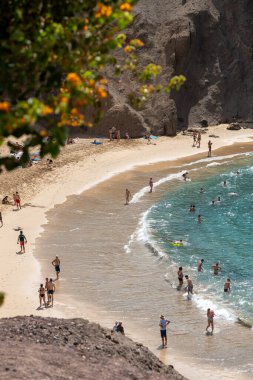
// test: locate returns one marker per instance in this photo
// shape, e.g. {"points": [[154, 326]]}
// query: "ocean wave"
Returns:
{"points": [[137, 196], [213, 164]]}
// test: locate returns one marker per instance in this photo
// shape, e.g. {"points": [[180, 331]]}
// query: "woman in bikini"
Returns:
{"points": [[42, 295]]}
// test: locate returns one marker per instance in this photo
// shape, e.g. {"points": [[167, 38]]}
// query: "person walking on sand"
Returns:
{"points": [[22, 241], [200, 265], [210, 315], [227, 285], [194, 136], [199, 139], [151, 184], [209, 148], [56, 263], [216, 268], [163, 330], [1, 219], [18, 201], [42, 295], [128, 196], [50, 292], [180, 276]]}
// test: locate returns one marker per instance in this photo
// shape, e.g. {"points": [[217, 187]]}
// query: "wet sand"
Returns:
{"points": [[104, 279]]}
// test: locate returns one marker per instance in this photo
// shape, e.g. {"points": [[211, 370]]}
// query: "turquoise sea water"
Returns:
{"points": [[224, 236]]}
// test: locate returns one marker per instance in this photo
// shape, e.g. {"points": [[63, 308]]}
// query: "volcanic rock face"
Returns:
{"points": [[210, 42], [61, 349]]}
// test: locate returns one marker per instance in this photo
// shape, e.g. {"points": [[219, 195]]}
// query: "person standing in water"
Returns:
{"points": [[227, 285], [216, 268], [151, 184], [180, 276], [22, 241], [163, 330], [210, 315], [199, 218], [189, 285], [56, 263], [128, 196], [200, 265], [209, 148]]}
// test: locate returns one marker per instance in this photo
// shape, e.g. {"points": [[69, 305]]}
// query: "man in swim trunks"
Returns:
{"points": [[50, 292], [180, 276], [199, 218], [22, 241], [163, 325], [216, 268], [151, 184], [227, 285], [200, 265], [189, 285], [18, 200], [56, 263], [210, 315]]}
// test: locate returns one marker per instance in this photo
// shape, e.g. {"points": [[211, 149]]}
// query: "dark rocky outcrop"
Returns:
{"points": [[60, 349], [210, 42]]}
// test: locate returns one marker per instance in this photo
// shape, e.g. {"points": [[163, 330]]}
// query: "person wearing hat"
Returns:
{"points": [[56, 263], [163, 326]]}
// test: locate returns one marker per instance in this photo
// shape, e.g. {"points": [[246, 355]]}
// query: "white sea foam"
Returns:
{"points": [[213, 164], [220, 312], [137, 196], [127, 247]]}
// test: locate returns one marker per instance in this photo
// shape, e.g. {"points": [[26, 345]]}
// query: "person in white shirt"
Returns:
{"points": [[163, 326]]}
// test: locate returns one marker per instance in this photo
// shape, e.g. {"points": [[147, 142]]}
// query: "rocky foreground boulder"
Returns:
{"points": [[60, 349], [210, 42]]}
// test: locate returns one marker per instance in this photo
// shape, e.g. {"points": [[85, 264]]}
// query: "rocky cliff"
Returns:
{"points": [[60, 349], [210, 42]]}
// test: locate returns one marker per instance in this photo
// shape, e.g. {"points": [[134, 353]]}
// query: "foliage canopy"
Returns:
{"points": [[54, 55]]}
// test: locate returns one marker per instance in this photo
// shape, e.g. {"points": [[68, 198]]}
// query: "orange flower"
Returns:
{"points": [[129, 49], [136, 42], [74, 79], [4, 106], [103, 10], [74, 111], [101, 93], [64, 99], [103, 81], [91, 82], [46, 110], [43, 133], [89, 124], [126, 7], [85, 28]]}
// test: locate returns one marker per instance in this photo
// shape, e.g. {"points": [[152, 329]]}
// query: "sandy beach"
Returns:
{"points": [[80, 167]]}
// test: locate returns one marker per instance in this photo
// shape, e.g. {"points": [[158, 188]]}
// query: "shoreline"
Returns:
{"points": [[25, 269]]}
